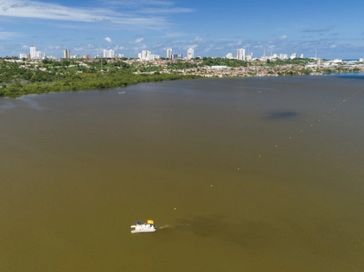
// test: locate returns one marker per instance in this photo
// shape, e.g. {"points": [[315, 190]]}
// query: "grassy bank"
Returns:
{"points": [[19, 78], [84, 82]]}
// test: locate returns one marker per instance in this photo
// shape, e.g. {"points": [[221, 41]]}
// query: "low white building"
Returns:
{"points": [[229, 56], [219, 67], [108, 53], [23, 56]]}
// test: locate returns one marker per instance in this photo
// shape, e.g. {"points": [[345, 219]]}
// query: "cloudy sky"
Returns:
{"points": [[332, 28]]}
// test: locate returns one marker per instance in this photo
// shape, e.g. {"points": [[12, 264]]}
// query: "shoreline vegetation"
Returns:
{"points": [[22, 77]]}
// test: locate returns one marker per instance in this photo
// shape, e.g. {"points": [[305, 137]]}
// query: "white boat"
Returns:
{"points": [[143, 227]]}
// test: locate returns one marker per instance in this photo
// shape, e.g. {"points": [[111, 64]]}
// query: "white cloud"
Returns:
{"points": [[194, 46], [41, 10], [119, 48], [283, 37], [174, 34], [197, 39], [108, 39], [139, 40], [4, 35], [166, 10]]}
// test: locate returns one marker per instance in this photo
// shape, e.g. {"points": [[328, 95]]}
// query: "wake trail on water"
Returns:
{"points": [[178, 226], [165, 227]]}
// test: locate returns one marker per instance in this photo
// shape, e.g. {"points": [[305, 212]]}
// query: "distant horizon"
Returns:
{"points": [[329, 29]]}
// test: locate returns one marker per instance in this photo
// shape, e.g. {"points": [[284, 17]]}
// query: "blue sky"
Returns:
{"points": [[332, 28]]}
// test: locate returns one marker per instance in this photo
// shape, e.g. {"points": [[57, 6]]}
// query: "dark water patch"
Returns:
{"points": [[248, 234], [6, 105], [352, 76], [281, 115]]}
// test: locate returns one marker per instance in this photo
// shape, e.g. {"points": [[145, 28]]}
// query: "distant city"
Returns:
{"points": [[35, 72], [147, 55]]}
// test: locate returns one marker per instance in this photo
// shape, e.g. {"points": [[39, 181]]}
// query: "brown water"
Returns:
{"points": [[243, 175]]}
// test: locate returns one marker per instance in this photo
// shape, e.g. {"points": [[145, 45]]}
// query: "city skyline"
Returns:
{"points": [[329, 29], [147, 55]]}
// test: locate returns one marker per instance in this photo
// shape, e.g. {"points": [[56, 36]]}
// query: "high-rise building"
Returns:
{"points": [[190, 53], [169, 53], [146, 55], [108, 53], [66, 54], [33, 52], [240, 54]]}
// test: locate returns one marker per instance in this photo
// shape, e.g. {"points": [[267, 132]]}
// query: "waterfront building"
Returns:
{"points": [[169, 53], [190, 53], [283, 56], [240, 54], [108, 53], [229, 56], [249, 57], [177, 56], [23, 56], [66, 54], [293, 56], [33, 52], [147, 55]]}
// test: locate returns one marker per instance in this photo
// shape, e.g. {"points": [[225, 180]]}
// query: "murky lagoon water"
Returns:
{"points": [[243, 175]]}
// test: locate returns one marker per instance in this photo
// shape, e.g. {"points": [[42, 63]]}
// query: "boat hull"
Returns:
{"points": [[144, 228]]}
